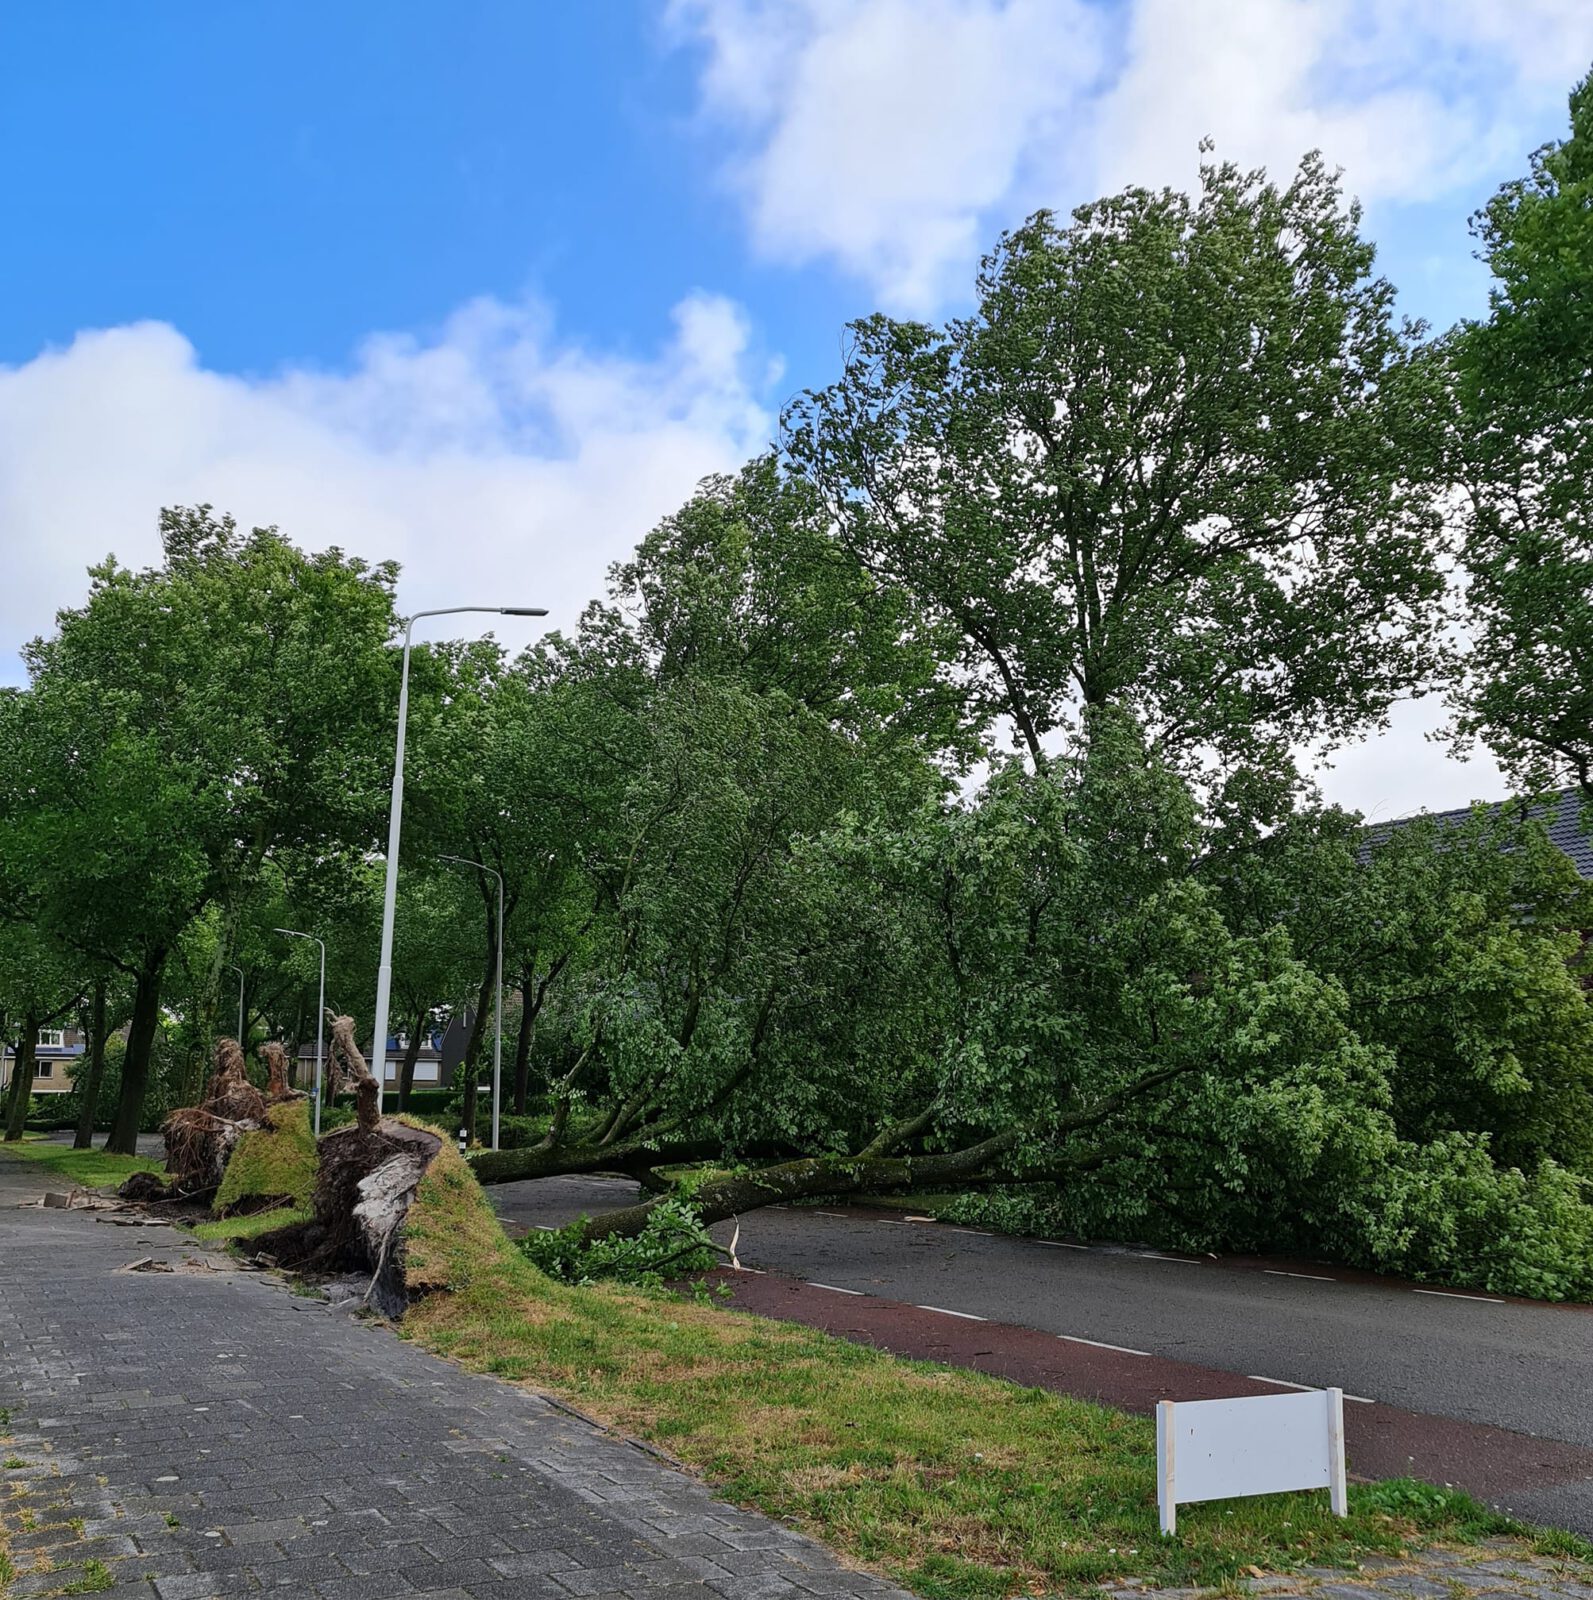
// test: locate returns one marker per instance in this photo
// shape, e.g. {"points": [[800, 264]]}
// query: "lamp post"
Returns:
{"points": [[384, 972], [320, 1017], [497, 1004], [239, 970]]}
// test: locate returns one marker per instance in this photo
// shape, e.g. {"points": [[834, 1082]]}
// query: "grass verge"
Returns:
{"points": [[228, 1229], [88, 1169], [957, 1484]]}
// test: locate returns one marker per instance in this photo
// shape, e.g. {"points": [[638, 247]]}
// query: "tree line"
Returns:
{"points": [[928, 805]]}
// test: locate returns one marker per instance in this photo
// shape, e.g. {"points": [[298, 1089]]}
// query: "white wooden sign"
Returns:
{"points": [[1261, 1444]]}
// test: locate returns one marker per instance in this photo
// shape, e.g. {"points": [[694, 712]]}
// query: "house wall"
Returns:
{"points": [[54, 1064]]}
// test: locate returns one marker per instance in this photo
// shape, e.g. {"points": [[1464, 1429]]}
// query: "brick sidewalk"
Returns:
{"points": [[207, 1433], [212, 1434]]}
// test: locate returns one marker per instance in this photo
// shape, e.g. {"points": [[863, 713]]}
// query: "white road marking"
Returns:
{"points": [[1315, 1277], [829, 1214], [967, 1316], [979, 1231], [920, 1219], [834, 1288], [1449, 1294], [1061, 1244], [1309, 1388], [1121, 1349], [1183, 1261]]}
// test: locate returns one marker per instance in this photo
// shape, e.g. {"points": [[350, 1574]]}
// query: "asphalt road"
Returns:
{"points": [[1517, 1365]]}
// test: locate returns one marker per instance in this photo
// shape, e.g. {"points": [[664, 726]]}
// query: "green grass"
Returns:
{"points": [[88, 1169], [96, 1576], [251, 1226], [276, 1162], [957, 1484]]}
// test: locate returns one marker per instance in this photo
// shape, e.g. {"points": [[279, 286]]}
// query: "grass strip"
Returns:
{"points": [[956, 1484], [87, 1169], [228, 1229]]}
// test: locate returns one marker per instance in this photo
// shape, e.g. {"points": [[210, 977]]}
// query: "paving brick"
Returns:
{"points": [[301, 1453]]}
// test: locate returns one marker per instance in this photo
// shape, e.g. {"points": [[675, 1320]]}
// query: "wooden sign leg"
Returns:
{"points": [[1166, 1500]]}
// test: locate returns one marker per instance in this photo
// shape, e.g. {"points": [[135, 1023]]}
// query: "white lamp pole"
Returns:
{"points": [[239, 971], [497, 1005], [384, 972], [320, 1018]]}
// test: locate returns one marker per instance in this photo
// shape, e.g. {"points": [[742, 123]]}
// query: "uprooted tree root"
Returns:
{"points": [[365, 1183], [200, 1139]]}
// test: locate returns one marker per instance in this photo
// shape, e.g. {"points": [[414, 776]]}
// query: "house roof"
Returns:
{"points": [[1561, 815]]}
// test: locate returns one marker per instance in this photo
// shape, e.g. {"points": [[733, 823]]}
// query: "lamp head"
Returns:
{"points": [[523, 611]]}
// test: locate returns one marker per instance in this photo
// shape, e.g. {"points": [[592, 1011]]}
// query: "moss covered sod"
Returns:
{"points": [[271, 1165], [956, 1484]]}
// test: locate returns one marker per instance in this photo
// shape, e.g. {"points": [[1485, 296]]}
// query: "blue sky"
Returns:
{"points": [[487, 286]]}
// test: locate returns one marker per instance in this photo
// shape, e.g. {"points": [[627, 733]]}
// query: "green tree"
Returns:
{"points": [[194, 718], [1177, 462], [1524, 449]]}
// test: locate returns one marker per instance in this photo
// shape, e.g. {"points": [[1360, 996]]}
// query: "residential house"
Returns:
{"points": [[57, 1054]]}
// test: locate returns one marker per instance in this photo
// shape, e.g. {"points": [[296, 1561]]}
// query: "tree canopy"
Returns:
{"points": [[925, 804]]}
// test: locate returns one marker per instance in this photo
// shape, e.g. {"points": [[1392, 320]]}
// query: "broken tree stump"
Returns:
{"points": [[275, 1060]]}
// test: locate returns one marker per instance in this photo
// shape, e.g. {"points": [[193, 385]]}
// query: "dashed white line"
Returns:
{"points": [[1061, 1244], [979, 1231], [967, 1316], [841, 1214], [1449, 1294], [1309, 1388], [1315, 1277], [834, 1288], [1096, 1344], [1183, 1261]]}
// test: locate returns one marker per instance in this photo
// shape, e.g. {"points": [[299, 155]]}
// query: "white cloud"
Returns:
{"points": [[1413, 98], [880, 132], [498, 464], [894, 137]]}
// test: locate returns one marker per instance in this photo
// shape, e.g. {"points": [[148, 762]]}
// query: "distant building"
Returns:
{"points": [[428, 1064], [58, 1050], [1561, 815]]}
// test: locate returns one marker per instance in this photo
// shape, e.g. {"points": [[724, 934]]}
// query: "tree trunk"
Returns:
{"points": [[560, 1161], [819, 1177], [22, 1079], [478, 1029], [83, 1139], [406, 1068], [522, 1041], [123, 1139]]}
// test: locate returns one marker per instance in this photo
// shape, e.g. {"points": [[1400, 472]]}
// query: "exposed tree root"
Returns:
{"points": [[365, 1183], [200, 1139]]}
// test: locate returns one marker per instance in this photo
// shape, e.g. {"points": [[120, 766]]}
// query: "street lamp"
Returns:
{"points": [[239, 970], [497, 1005], [384, 972], [320, 1017]]}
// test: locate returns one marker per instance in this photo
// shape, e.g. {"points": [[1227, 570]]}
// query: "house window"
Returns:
{"points": [[52, 1039], [44, 1069]]}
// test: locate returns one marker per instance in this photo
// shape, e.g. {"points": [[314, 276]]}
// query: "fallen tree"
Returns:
{"points": [[366, 1178]]}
